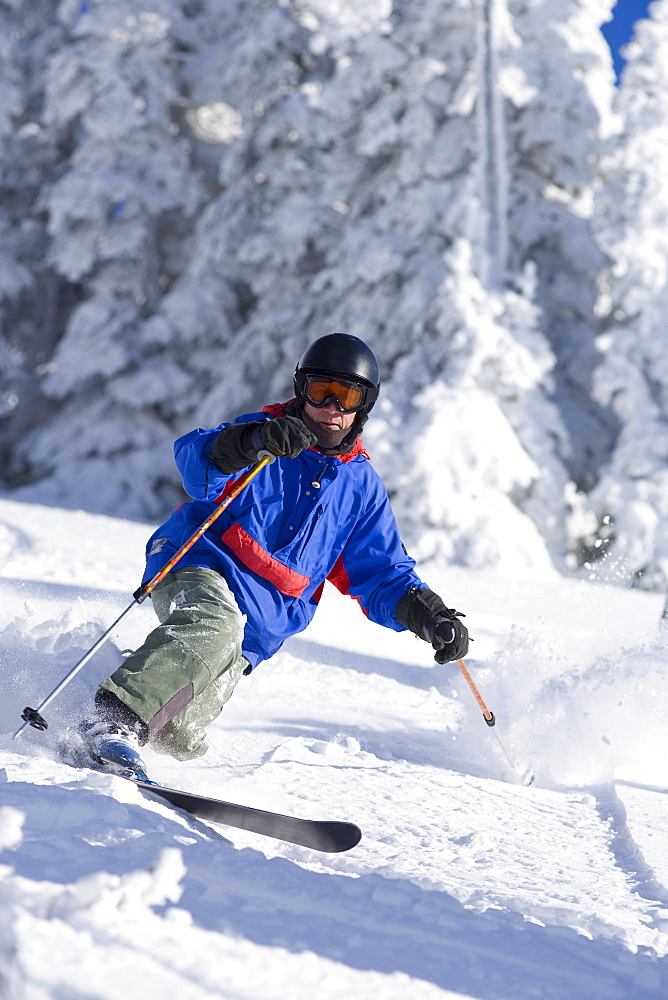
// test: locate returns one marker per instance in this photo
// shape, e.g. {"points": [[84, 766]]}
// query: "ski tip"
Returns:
{"points": [[354, 836], [334, 837]]}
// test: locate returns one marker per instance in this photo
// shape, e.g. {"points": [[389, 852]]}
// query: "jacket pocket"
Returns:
{"points": [[309, 532]]}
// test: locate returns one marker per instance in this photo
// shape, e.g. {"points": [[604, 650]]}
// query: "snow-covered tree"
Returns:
{"points": [[466, 436], [14, 276], [238, 178], [558, 80], [119, 218], [629, 507], [30, 293]]}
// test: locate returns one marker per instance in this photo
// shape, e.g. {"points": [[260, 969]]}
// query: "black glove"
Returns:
{"points": [[285, 437], [449, 637], [424, 613], [237, 446]]}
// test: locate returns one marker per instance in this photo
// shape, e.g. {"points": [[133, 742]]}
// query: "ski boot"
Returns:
{"points": [[105, 746]]}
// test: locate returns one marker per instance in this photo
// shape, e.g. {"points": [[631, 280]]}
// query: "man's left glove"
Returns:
{"points": [[449, 637], [424, 613]]}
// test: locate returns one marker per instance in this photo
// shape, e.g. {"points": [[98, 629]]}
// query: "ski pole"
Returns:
{"points": [[32, 716], [488, 716]]}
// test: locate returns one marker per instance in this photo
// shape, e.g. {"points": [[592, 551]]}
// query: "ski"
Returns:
{"points": [[329, 836]]}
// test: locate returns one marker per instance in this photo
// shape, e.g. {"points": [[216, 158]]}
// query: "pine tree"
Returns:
{"points": [[119, 216], [629, 506], [30, 292], [559, 83]]}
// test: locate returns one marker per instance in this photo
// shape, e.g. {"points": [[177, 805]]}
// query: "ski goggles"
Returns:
{"points": [[320, 390]]}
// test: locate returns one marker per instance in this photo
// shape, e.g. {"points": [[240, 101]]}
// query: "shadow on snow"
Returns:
{"points": [[367, 923]]}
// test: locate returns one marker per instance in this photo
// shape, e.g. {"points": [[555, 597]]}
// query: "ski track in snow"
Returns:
{"points": [[465, 883]]}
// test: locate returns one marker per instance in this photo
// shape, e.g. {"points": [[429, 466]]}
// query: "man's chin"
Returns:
{"points": [[327, 438]]}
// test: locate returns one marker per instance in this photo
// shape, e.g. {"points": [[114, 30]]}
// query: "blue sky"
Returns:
{"points": [[619, 30]]}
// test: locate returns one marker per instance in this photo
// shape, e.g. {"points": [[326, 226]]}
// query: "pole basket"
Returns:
{"points": [[33, 718]]}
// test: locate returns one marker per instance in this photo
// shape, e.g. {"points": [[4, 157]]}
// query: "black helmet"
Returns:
{"points": [[340, 354]]}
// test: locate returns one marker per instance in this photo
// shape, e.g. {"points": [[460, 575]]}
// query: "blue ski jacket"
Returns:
{"points": [[299, 522]]}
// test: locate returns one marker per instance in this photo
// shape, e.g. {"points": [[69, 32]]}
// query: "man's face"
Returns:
{"points": [[329, 425]]}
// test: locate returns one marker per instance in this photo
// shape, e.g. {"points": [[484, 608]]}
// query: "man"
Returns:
{"points": [[318, 512]]}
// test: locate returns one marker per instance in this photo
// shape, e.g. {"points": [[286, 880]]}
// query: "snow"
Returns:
{"points": [[466, 883]]}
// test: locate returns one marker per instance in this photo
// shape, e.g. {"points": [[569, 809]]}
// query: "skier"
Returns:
{"points": [[318, 512]]}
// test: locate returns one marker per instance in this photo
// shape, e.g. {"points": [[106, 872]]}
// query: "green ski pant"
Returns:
{"points": [[180, 678]]}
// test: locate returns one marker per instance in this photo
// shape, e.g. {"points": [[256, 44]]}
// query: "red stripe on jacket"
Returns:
{"points": [[257, 559]]}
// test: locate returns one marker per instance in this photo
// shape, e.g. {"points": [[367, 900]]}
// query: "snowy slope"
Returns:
{"points": [[465, 884]]}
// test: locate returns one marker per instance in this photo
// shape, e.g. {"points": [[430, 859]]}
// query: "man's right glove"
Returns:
{"points": [[424, 613], [284, 437], [238, 445]]}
